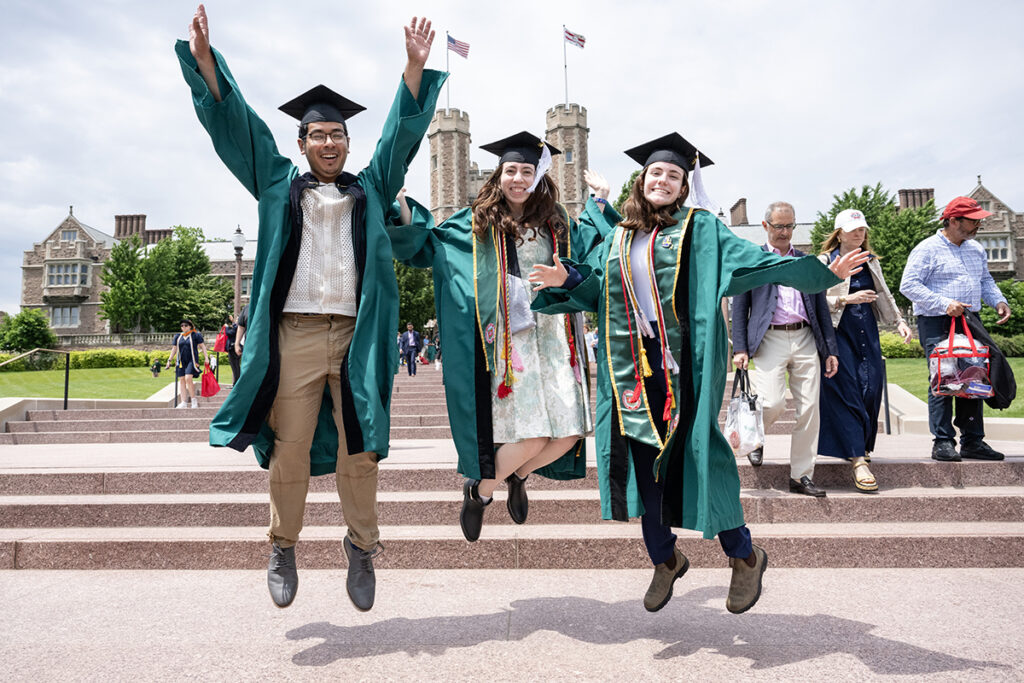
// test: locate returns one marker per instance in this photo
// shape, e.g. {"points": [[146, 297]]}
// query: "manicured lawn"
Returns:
{"points": [[912, 375], [131, 383]]}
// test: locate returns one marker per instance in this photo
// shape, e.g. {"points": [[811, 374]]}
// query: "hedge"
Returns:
{"points": [[94, 358], [893, 346]]}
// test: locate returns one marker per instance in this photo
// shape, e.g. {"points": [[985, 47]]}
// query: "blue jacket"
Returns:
{"points": [[405, 347], [752, 313]]}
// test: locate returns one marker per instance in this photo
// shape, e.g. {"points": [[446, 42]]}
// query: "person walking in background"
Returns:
{"points": [[409, 345], [786, 332], [851, 399], [947, 276], [185, 348], [234, 358]]}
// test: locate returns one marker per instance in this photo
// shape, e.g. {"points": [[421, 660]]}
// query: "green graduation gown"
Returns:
{"points": [[465, 271], [246, 146], [697, 262]]}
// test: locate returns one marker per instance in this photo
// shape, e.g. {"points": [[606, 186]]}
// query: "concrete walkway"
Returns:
{"points": [[811, 624]]}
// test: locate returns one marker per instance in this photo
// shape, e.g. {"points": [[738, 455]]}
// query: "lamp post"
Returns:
{"points": [[238, 242]]}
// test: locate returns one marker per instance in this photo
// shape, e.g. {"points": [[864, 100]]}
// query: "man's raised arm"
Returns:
{"points": [[199, 44], [418, 38]]}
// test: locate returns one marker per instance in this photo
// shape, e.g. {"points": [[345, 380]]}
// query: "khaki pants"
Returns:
{"points": [[312, 350], [792, 352]]}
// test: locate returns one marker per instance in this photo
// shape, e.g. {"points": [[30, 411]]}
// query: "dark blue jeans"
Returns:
{"points": [[410, 361], [933, 329]]}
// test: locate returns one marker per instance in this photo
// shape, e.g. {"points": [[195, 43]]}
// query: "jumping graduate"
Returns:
{"points": [[657, 282], [516, 382], [315, 388]]}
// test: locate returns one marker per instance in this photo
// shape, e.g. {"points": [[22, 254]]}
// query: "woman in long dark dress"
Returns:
{"points": [[851, 399]]}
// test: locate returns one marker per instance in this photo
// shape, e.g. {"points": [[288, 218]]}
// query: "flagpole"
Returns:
{"points": [[565, 64], [448, 68]]}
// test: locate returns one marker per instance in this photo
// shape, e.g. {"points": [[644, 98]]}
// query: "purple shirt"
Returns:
{"points": [[790, 307]]}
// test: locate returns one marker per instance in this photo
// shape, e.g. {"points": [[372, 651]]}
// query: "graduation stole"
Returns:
{"points": [[625, 326], [490, 290]]}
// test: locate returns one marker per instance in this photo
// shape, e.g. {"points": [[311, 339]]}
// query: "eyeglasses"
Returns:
{"points": [[780, 228], [320, 137]]}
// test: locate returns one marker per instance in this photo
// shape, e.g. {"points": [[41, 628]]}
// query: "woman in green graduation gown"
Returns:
{"points": [[657, 282], [516, 383]]}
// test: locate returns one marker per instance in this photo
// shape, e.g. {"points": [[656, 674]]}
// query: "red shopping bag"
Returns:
{"points": [[221, 343], [959, 366], [209, 386]]}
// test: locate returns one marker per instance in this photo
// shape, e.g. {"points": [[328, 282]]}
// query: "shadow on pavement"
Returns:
{"points": [[685, 627]]}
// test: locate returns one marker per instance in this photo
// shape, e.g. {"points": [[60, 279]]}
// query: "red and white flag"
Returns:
{"points": [[576, 39], [458, 47]]}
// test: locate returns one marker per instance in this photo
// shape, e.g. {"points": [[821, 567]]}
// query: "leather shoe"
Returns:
{"points": [[806, 487], [361, 583], [282, 577], [471, 519], [518, 504], [944, 451], [745, 587], [979, 450], [756, 456], [660, 591]]}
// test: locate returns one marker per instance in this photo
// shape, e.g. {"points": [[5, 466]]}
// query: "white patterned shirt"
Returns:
{"points": [[939, 272]]}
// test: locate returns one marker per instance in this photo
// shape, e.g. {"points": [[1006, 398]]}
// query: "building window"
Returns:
{"points": [[67, 274], [568, 156], [246, 285], [83, 275], [69, 235], [433, 162], [64, 316], [985, 205], [996, 248]]}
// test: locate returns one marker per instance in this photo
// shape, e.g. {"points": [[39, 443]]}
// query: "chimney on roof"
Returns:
{"points": [[130, 224], [738, 212], [915, 199]]}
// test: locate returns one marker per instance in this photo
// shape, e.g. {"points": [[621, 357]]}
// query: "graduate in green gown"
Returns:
{"points": [[657, 283], [516, 383], [315, 384]]}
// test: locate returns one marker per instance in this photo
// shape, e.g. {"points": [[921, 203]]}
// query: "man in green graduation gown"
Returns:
{"points": [[315, 387]]}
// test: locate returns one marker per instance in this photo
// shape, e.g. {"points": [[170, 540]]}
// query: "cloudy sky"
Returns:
{"points": [[793, 100]]}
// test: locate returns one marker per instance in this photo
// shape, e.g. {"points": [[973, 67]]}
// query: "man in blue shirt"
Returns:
{"points": [[947, 276]]}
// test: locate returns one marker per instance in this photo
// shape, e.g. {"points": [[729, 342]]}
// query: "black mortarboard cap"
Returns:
{"points": [[321, 104], [523, 147], [672, 148]]}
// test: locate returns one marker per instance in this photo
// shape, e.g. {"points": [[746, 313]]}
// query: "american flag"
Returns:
{"points": [[576, 39], [458, 47]]}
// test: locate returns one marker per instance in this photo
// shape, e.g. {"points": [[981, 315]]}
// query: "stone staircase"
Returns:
{"points": [[186, 506]]}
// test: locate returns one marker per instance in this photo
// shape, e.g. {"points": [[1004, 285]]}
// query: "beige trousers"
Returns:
{"points": [[792, 352], [312, 349]]}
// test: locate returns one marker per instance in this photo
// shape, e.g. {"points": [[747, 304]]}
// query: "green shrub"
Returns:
{"points": [[16, 366], [893, 346], [109, 358], [1011, 346]]}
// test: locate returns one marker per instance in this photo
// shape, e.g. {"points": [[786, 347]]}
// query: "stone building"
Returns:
{"points": [[1002, 235], [455, 181]]}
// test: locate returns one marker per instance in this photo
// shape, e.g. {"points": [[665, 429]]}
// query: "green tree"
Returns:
{"points": [[627, 187], [26, 331], [892, 234], [1013, 290], [415, 295], [123, 302]]}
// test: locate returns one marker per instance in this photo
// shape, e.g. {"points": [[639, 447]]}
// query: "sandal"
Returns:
{"points": [[867, 457], [862, 477]]}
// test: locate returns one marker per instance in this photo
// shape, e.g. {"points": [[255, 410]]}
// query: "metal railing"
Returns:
{"points": [[67, 367]]}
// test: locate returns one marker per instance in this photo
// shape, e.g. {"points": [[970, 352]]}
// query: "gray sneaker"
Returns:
{"points": [[745, 588], [660, 590], [282, 577], [361, 584]]}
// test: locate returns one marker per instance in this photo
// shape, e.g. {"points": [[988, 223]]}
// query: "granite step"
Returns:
{"points": [[590, 546], [547, 507], [141, 433]]}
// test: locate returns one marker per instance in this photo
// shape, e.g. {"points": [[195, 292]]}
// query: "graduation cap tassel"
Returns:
{"points": [[644, 364]]}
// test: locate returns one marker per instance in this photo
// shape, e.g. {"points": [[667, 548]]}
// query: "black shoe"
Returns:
{"points": [[282, 577], [979, 450], [471, 519], [361, 583], [806, 487], [756, 456], [944, 451], [518, 504]]}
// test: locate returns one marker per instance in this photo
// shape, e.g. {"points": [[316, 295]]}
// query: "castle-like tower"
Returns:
{"points": [[449, 162], [455, 180], [567, 130]]}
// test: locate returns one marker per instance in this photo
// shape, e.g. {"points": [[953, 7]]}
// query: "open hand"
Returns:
{"points": [[418, 39], [904, 330], [597, 183], [850, 263], [548, 276], [199, 35]]}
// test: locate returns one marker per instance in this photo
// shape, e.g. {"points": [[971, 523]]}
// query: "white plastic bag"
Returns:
{"points": [[744, 424]]}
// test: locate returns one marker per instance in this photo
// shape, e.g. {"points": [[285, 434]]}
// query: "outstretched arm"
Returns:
{"points": [[199, 45], [418, 38]]}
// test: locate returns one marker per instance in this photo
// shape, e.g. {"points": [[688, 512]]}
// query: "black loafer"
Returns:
{"points": [[944, 451], [471, 519], [756, 456], [806, 487], [282, 577], [518, 504], [979, 450]]}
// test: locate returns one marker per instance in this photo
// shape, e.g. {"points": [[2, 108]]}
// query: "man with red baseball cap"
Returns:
{"points": [[947, 276]]}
